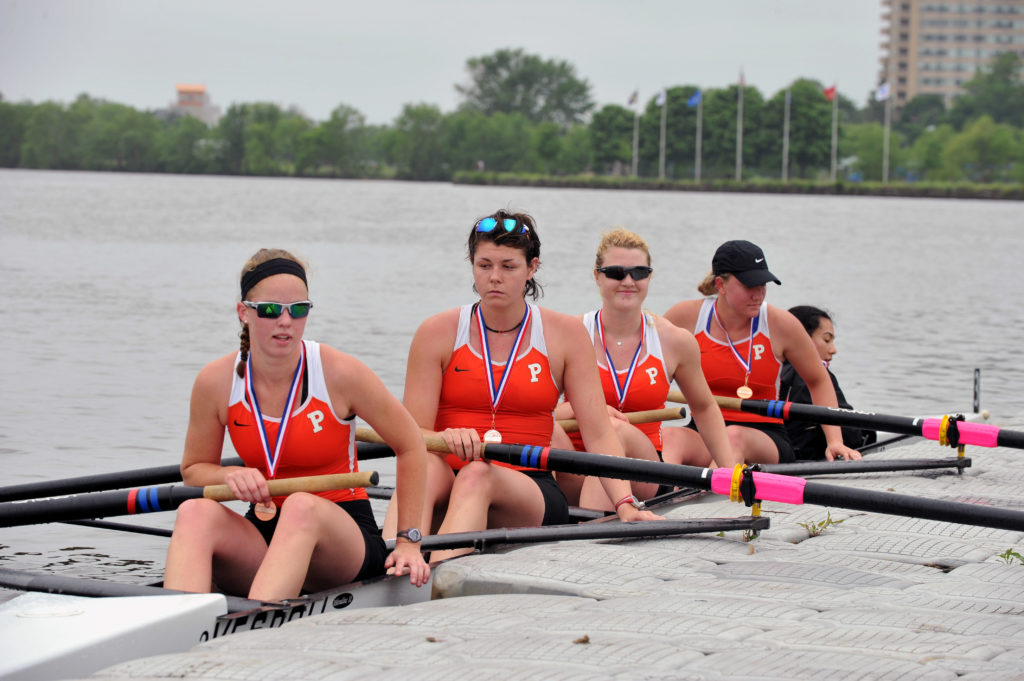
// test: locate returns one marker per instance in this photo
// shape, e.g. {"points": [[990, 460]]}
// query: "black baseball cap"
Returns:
{"points": [[743, 260]]}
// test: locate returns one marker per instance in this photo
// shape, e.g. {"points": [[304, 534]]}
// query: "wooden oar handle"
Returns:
{"points": [[648, 416], [312, 483], [434, 443], [723, 402]]}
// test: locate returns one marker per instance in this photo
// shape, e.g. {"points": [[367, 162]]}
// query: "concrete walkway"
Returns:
{"points": [[872, 597]]}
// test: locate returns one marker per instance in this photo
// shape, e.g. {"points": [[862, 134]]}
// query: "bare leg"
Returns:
{"points": [[685, 446], [316, 544], [636, 446], [751, 445], [485, 495], [212, 543], [440, 479], [570, 483]]}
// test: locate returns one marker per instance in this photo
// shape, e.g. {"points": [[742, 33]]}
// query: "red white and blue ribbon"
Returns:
{"points": [[750, 341], [497, 391], [275, 458], [621, 390]]}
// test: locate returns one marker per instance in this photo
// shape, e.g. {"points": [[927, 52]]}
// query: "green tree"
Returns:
{"points": [[921, 113], [50, 140], [680, 134], [984, 151], [611, 135], [180, 145], [810, 131], [13, 126], [997, 92], [511, 81], [864, 141], [547, 146], [576, 153], [417, 147], [719, 146], [925, 160]]}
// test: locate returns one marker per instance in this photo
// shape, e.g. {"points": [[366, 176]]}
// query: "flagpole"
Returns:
{"points": [[697, 154], [661, 147], [835, 134], [636, 138], [739, 132], [885, 138], [785, 139]]}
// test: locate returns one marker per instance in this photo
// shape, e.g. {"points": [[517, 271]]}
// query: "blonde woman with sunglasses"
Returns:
{"points": [[289, 406], [639, 355], [493, 371]]}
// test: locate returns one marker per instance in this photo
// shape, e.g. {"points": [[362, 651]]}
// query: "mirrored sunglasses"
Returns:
{"points": [[618, 272], [509, 224], [268, 310]]}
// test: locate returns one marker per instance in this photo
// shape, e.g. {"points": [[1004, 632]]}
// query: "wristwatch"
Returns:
{"points": [[412, 534]]}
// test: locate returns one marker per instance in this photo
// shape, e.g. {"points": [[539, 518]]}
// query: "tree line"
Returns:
{"points": [[523, 114]]}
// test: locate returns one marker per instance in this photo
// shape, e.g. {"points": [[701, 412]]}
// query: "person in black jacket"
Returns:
{"points": [[807, 437]]}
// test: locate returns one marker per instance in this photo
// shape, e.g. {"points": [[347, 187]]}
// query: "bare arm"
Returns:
{"points": [[685, 353], [684, 314]]}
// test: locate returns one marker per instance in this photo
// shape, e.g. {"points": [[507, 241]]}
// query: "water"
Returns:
{"points": [[119, 288]]}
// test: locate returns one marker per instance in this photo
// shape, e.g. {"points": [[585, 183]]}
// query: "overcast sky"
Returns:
{"points": [[378, 55]]}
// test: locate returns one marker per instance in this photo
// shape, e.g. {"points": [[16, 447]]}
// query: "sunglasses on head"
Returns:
{"points": [[274, 310], [509, 224], [618, 272]]}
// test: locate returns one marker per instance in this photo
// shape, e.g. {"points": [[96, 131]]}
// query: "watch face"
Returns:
{"points": [[412, 535]]}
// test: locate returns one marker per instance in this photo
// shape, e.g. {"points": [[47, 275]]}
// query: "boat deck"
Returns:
{"points": [[872, 597]]}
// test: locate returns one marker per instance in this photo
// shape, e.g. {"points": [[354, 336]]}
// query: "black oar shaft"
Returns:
{"points": [[767, 486], [863, 466]]}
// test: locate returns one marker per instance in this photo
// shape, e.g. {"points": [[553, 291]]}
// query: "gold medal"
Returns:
{"points": [[265, 512], [744, 392], [492, 437]]}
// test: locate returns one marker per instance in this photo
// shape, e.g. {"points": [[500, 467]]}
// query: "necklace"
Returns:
{"points": [[744, 392], [508, 330]]}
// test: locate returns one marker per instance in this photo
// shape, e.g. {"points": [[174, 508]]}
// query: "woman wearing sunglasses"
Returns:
{"points": [[289, 406], [744, 342], [639, 355], [493, 371]]}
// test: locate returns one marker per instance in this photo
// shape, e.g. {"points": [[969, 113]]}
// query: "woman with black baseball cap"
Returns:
{"points": [[744, 342]]}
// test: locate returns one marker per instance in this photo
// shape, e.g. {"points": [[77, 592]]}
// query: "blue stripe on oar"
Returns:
{"points": [[148, 501], [775, 408], [534, 456]]}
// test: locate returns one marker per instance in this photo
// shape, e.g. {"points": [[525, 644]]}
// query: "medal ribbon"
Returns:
{"points": [[496, 392], [750, 342], [622, 389], [273, 460]]}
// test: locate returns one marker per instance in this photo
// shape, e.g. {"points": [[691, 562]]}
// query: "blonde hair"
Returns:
{"points": [[707, 284], [620, 237]]}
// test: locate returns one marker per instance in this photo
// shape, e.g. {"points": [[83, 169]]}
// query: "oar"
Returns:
{"points": [[863, 466], [153, 499], [648, 416], [941, 429], [766, 486], [139, 477], [530, 535]]}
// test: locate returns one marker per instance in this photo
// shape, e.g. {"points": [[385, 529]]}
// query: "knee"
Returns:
{"points": [[474, 479], [197, 517], [299, 512]]}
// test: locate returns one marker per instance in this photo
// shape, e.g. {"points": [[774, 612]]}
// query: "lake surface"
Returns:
{"points": [[118, 288]]}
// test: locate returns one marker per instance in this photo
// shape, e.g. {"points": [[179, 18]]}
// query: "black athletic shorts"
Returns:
{"points": [[776, 431], [362, 513], [556, 506]]}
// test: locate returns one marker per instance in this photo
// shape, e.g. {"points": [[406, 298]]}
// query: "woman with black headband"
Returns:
{"points": [[493, 371], [744, 342], [289, 406], [639, 355]]}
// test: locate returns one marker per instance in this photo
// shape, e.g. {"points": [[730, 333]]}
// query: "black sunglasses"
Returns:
{"points": [[267, 310], [618, 272]]}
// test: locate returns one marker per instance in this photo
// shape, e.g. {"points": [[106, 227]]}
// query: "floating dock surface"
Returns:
{"points": [[870, 597]]}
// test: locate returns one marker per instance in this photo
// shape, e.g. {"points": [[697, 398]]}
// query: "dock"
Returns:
{"points": [[825, 593]]}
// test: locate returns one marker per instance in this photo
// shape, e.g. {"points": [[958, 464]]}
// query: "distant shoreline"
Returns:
{"points": [[1009, 192]]}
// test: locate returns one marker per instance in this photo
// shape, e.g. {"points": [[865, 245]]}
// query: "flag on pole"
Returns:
{"points": [[662, 97], [634, 97], [830, 93], [882, 93], [694, 99]]}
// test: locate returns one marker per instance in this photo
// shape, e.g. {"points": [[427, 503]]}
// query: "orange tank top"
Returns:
{"points": [[723, 371], [316, 441], [525, 413]]}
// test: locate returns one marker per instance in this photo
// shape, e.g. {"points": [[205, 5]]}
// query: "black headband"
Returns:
{"points": [[268, 269]]}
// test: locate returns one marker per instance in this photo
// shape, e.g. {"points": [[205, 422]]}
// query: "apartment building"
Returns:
{"points": [[931, 47]]}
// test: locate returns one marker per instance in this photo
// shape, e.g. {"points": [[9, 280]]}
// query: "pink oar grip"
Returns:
{"points": [[981, 434], [787, 489]]}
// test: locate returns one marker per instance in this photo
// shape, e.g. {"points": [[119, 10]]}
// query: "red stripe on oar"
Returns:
{"points": [[131, 500], [785, 411], [544, 457]]}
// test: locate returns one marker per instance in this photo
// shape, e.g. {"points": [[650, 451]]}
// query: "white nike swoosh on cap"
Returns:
{"points": [[758, 259]]}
